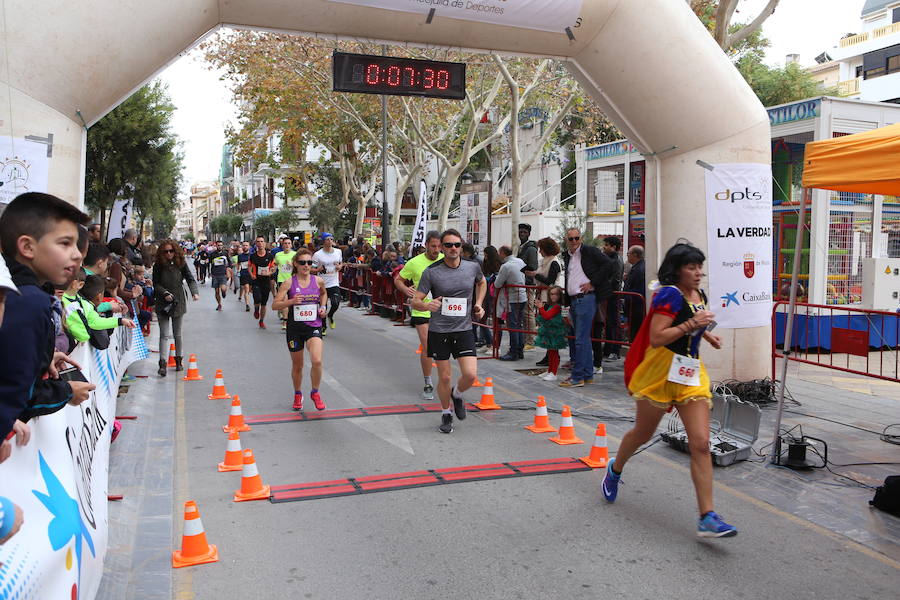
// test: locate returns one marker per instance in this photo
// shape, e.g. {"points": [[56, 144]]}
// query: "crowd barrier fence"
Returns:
{"points": [[842, 338]]}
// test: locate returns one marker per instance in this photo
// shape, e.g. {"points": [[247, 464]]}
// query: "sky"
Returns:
{"points": [[203, 102]]}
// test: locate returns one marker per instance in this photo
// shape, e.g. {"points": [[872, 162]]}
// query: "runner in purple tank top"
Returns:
{"points": [[304, 296]]}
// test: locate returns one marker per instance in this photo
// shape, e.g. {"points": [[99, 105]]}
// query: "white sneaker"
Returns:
{"points": [[598, 370], [486, 350], [548, 376]]}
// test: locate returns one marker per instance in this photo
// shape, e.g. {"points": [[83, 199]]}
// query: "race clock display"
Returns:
{"points": [[398, 76]]}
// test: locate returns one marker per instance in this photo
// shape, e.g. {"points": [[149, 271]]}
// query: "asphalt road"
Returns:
{"points": [[543, 536]]}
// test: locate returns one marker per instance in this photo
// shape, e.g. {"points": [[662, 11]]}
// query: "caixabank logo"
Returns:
{"points": [[738, 298]]}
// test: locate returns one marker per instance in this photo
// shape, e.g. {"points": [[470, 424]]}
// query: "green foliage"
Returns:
{"points": [[133, 154], [324, 213], [189, 236], [264, 226], [163, 223], [779, 85], [226, 224], [284, 219]]}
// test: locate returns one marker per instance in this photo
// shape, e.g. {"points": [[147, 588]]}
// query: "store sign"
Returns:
{"points": [[739, 225], [609, 150], [799, 111], [545, 15]]}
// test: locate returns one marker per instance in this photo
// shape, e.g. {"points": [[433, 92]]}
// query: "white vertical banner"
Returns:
{"points": [[739, 225], [544, 15], [418, 236], [24, 167], [119, 219]]}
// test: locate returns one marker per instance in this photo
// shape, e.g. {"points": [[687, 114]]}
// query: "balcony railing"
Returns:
{"points": [[886, 30], [875, 33], [849, 87], [854, 39]]}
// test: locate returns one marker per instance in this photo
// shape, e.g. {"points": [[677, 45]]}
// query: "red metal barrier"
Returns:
{"points": [[843, 338], [623, 327]]}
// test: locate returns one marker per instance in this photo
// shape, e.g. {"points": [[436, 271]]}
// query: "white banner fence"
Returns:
{"points": [[60, 481]]}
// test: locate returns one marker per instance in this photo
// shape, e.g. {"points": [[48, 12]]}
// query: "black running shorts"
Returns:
{"points": [[261, 290], [458, 343], [298, 334], [416, 321]]}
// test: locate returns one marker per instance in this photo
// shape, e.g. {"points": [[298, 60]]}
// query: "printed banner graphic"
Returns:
{"points": [[24, 167], [545, 15], [739, 225], [59, 479], [418, 237], [119, 219]]}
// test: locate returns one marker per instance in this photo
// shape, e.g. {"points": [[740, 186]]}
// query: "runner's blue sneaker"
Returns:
{"points": [[611, 483], [711, 525]]}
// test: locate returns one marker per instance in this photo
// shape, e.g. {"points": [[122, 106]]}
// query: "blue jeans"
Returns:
{"points": [[581, 313], [516, 338]]}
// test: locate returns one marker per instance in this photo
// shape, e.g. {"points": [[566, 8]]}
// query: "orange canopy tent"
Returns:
{"points": [[864, 163]]}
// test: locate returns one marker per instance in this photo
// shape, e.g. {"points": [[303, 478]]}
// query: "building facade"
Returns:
{"points": [[870, 61]]}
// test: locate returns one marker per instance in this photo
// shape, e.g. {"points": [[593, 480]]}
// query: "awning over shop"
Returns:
{"points": [[865, 163]]}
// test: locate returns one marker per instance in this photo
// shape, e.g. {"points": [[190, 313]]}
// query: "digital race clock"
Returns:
{"points": [[398, 76]]}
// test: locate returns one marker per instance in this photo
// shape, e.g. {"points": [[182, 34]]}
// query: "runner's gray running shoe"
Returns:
{"points": [[459, 405], [446, 423], [428, 393]]}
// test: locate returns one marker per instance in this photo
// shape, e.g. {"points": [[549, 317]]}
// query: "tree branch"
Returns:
{"points": [[745, 32]]}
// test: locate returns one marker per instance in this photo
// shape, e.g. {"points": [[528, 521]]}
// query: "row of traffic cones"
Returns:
{"points": [[599, 455], [195, 549]]}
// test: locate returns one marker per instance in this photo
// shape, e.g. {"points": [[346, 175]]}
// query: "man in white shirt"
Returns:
{"points": [[327, 264]]}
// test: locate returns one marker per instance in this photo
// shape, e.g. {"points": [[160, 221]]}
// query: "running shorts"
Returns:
{"points": [[416, 321], [298, 334], [245, 277], [261, 289], [219, 280], [458, 343]]}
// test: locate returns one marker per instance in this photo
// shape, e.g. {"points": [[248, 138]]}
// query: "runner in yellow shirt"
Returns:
{"points": [[407, 280], [285, 269]]}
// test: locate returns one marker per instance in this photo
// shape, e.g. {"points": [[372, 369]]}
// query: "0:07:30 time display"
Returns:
{"points": [[395, 76]]}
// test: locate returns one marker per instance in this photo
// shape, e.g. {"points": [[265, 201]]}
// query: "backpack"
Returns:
{"points": [[887, 496]]}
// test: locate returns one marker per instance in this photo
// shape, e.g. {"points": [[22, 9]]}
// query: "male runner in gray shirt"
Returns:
{"points": [[451, 283]]}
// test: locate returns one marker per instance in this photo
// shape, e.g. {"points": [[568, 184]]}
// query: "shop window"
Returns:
{"points": [[606, 189]]}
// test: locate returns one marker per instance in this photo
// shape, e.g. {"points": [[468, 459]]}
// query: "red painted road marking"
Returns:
{"points": [[395, 481], [346, 413]]}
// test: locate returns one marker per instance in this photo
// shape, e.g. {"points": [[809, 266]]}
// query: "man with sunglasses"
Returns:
{"points": [[588, 276], [452, 283]]}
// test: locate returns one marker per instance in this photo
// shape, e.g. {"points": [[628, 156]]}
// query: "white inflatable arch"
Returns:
{"points": [[657, 73]]}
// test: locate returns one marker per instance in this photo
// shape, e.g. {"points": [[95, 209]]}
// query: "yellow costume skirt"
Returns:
{"points": [[650, 381]]}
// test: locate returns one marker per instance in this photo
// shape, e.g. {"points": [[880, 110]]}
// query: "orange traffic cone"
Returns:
{"points": [[599, 451], [233, 455], [236, 418], [252, 487], [487, 397], [419, 351], [193, 373], [566, 429], [194, 549], [219, 392], [541, 420], [171, 363], [477, 383]]}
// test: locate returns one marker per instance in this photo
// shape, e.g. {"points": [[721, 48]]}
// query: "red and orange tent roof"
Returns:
{"points": [[864, 163]]}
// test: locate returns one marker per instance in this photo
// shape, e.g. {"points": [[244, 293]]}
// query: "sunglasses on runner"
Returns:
{"points": [[167, 250], [304, 262], [452, 244], [575, 238]]}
